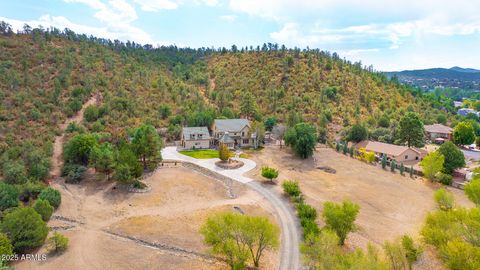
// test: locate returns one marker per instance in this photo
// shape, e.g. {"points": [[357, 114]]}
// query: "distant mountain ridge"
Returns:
{"points": [[457, 77], [468, 70]]}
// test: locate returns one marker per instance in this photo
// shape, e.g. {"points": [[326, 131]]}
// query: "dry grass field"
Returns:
{"points": [[391, 204], [105, 219]]}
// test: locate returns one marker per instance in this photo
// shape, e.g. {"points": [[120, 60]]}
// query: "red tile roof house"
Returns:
{"points": [[399, 153], [438, 131]]}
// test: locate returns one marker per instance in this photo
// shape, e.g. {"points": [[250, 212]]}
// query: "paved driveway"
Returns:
{"points": [[290, 255], [475, 155], [236, 174]]}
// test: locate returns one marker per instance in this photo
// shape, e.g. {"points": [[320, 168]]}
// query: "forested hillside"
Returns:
{"points": [[46, 76], [314, 86]]}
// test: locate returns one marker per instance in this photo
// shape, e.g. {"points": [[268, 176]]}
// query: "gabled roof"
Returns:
{"points": [[230, 125], [195, 131], [385, 148], [226, 139], [438, 128]]}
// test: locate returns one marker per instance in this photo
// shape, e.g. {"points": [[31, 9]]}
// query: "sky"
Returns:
{"points": [[388, 34]]}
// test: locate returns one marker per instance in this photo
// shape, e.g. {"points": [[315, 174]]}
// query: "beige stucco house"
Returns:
{"points": [[195, 138], [233, 132], [438, 131], [399, 153]]}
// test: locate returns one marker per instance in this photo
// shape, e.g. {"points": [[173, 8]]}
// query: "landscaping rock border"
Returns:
{"points": [[235, 164], [173, 249]]}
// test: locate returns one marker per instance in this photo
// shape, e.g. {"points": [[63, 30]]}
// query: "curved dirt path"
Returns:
{"points": [[289, 254], [57, 160]]}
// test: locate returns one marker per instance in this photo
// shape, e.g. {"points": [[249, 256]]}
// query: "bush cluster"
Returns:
{"points": [[306, 213]]}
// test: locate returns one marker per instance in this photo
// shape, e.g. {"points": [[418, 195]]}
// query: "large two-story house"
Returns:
{"points": [[195, 138], [233, 133]]}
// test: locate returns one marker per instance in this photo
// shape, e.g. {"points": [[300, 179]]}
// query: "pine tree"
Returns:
{"points": [[393, 166], [402, 168]]}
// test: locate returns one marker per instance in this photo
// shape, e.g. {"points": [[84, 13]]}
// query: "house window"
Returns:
{"points": [[246, 141], [416, 158], [243, 133], [406, 157]]}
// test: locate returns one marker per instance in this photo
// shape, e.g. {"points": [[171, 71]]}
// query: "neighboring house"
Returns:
{"points": [[457, 104], [465, 111], [398, 153], [195, 138], [438, 131], [233, 132]]}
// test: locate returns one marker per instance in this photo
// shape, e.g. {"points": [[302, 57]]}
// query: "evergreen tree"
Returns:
{"points": [[411, 130], [147, 145]]}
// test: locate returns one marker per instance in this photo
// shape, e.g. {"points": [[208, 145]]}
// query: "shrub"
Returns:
{"points": [[461, 255], [269, 173], [75, 105], [25, 228], [444, 178], [309, 226], [44, 208], [14, 172], [291, 188], [57, 242], [472, 189], [384, 162], [412, 251], [139, 185], [52, 196], [223, 152], [73, 173], [6, 248], [402, 168], [370, 157], [395, 254], [91, 113], [74, 127], [8, 196], [444, 199], [29, 190], [306, 211]]}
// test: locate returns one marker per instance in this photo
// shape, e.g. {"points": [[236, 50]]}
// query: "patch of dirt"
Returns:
{"points": [[167, 216]]}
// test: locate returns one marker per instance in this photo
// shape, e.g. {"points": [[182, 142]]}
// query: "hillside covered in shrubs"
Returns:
{"points": [[47, 74]]}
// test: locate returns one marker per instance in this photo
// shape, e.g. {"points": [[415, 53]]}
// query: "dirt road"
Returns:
{"points": [[57, 160], [290, 255]]}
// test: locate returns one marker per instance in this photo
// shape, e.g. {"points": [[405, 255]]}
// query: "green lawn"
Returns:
{"points": [[201, 154]]}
